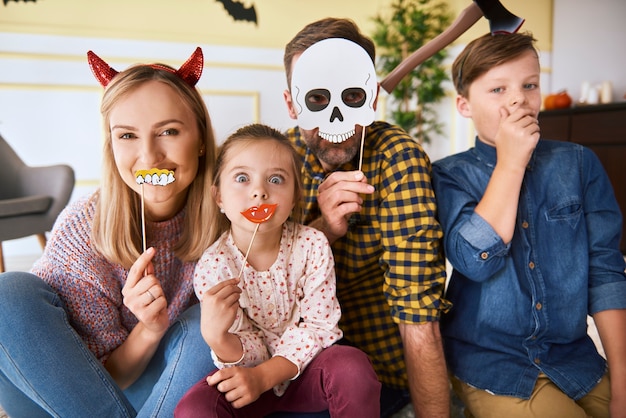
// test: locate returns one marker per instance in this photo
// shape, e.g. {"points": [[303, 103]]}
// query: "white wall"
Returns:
{"points": [[589, 44]]}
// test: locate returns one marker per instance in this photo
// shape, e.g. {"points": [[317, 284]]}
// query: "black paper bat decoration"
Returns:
{"points": [[239, 11], [6, 1]]}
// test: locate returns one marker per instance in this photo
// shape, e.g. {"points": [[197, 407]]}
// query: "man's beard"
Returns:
{"points": [[332, 154]]}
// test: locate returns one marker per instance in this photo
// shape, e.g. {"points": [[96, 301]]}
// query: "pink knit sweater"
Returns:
{"points": [[91, 287]]}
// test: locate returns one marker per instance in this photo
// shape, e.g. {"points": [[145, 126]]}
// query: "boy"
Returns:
{"points": [[532, 229]]}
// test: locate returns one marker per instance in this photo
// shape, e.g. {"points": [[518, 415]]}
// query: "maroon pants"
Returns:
{"points": [[340, 380]]}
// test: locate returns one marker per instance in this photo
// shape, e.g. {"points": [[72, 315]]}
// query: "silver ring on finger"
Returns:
{"points": [[151, 295]]}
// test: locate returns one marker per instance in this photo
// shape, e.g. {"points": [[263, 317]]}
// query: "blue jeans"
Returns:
{"points": [[47, 370]]}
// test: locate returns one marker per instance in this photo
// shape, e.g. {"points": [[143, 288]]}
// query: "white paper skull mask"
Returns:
{"points": [[333, 88]]}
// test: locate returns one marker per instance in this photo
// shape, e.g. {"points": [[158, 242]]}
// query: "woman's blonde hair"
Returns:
{"points": [[249, 134], [117, 222]]}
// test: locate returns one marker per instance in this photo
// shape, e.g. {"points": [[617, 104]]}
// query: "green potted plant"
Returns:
{"points": [[408, 25]]}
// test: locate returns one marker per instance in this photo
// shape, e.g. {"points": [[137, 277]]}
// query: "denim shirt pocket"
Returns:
{"points": [[569, 211]]}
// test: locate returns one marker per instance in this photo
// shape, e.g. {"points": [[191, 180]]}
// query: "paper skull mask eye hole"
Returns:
{"points": [[317, 100], [353, 97], [334, 88]]}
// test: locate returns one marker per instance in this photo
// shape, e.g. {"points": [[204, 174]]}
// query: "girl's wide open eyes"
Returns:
{"points": [[241, 178], [276, 179]]}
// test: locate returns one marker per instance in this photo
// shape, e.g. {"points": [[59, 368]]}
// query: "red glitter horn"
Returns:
{"points": [[190, 71]]}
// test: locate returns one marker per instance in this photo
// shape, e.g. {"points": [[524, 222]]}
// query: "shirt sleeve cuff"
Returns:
{"points": [[480, 235], [608, 296], [221, 364]]}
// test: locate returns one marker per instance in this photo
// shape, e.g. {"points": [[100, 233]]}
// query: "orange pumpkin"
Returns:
{"points": [[560, 100], [548, 102]]}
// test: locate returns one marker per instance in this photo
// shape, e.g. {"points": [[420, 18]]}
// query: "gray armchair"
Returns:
{"points": [[31, 198]]}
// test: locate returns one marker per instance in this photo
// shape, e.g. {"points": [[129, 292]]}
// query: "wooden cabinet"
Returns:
{"points": [[602, 128]]}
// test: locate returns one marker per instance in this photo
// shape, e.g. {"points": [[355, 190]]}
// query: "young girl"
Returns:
{"points": [[101, 328], [271, 318]]}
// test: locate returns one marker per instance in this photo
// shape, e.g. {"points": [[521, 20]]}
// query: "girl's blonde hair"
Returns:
{"points": [[248, 134], [117, 222]]}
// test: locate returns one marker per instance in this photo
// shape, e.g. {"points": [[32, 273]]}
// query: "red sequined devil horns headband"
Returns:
{"points": [[190, 71]]}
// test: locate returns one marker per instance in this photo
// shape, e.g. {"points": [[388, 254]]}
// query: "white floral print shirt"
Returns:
{"points": [[289, 310]]}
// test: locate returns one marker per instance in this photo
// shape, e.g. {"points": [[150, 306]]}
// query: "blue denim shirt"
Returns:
{"points": [[521, 309]]}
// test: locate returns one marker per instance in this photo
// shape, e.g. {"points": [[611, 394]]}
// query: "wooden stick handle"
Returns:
{"points": [[362, 146], [463, 22], [143, 225], [245, 259], [143, 221]]}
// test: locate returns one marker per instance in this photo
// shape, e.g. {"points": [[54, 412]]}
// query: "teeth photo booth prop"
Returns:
{"points": [[155, 177]]}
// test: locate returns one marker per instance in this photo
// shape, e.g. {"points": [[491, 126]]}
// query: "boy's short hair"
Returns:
{"points": [[486, 52]]}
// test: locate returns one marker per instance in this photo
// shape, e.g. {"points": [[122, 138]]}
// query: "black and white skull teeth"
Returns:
{"points": [[337, 138]]}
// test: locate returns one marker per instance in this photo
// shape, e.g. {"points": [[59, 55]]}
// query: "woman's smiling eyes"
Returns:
{"points": [[170, 131], [166, 132], [127, 135]]}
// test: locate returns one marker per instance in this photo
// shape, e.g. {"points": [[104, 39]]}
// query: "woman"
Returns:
{"points": [[101, 327]]}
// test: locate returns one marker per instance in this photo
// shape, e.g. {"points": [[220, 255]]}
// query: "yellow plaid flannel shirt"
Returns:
{"points": [[390, 265]]}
